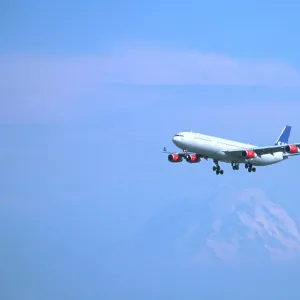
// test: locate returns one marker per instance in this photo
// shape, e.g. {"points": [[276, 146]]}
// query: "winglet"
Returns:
{"points": [[283, 139]]}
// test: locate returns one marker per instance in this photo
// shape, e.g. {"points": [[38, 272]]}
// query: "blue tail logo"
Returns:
{"points": [[283, 139]]}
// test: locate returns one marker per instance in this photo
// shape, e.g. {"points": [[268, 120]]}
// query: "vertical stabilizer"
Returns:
{"points": [[283, 139]]}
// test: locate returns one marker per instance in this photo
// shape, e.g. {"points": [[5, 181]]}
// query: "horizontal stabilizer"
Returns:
{"points": [[290, 154]]}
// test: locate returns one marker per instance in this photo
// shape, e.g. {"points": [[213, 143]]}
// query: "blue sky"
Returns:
{"points": [[92, 91]]}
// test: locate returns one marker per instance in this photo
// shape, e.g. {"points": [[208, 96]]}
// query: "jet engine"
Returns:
{"points": [[291, 149], [174, 158], [248, 154], [193, 158]]}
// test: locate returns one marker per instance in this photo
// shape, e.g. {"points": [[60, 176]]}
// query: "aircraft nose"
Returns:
{"points": [[175, 140]]}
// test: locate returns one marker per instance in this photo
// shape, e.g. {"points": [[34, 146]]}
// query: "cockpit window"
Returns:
{"points": [[179, 135]]}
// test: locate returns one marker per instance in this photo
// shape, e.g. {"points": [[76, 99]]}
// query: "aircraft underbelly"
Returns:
{"points": [[209, 150], [267, 159]]}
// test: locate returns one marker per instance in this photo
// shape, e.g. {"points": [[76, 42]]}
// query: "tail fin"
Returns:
{"points": [[283, 139]]}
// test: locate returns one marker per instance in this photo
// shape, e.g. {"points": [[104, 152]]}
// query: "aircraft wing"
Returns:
{"points": [[181, 153], [260, 150]]}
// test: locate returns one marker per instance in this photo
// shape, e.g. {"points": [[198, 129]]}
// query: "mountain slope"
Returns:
{"points": [[229, 225]]}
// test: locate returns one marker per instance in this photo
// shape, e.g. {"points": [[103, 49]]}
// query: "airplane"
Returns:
{"points": [[196, 146]]}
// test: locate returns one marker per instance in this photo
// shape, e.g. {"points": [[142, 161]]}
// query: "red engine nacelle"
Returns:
{"points": [[248, 154], [292, 149], [174, 158], [193, 158]]}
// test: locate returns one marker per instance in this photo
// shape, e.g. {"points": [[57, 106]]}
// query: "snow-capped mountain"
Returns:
{"points": [[229, 225]]}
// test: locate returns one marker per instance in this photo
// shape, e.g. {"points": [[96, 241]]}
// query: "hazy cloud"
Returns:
{"points": [[161, 66], [138, 65], [35, 87]]}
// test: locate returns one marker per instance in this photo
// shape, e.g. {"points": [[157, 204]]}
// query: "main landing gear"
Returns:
{"points": [[235, 166], [217, 168], [250, 167]]}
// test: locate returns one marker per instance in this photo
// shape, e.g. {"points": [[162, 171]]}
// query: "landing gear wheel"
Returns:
{"points": [[249, 170], [253, 169], [217, 168], [219, 172]]}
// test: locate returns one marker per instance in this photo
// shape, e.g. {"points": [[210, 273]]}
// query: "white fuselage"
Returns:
{"points": [[212, 147]]}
